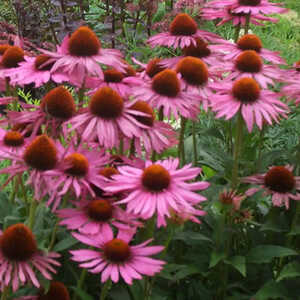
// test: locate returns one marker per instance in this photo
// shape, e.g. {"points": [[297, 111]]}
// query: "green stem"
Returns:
{"points": [[260, 146], [20, 179], [80, 282], [54, 232], [7, 87], [237, 149], [161, 114], [105, 289], [32, 213], [132, 147], [194, 143], [237, 32], [181, 151], [14, 191], [247, 23], [121, 148], [4, 294]]}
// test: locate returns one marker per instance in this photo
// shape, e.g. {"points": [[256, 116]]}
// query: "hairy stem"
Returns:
{"points": [[181, 150], [194, 143], [105, 289]]}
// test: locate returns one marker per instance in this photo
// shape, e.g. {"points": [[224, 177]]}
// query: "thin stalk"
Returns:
{"points": [[20, 179], [121, 148], [7, 87], [237, 149], [32, 213], [14, 191], [80, 282], [237, 32], [113, 25], [149, 17], [136, 21], [247, 23], [161, 114], [105, 289], [54, 232], [260, 146], [194, 143], [181, 150], [132, 147], [4, 294]]}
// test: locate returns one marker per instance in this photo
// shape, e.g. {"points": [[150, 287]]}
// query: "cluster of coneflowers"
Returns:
{"points": [[95, 160]]}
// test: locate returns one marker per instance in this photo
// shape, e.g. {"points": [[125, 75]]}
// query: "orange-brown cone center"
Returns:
{"points": [[18, 243], [280, 179], [153, 67], [130, 71], [200, 50], [84, 42], [249, 61], [57, 291], [40, 60], [246, 90], [3, 48], [250, 42], [79, 165], [59, 103], [41, 153], [183, 24], [13, 139], [144, 107], [106, 103], [193, 70], [156, 178], [108, 172], [100, 210], [12, 56], [166, 83], [298, 66], [113, 75], [116, 251], [249, 2]]}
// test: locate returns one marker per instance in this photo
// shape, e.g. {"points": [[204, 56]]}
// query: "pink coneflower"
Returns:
{"points": [[183, 216], [245, 95], [230, 197], [118, 81], [279, 182], [80, 55], [35, 70], [20, 258], [76, 171], [201, 50], [39, 156], [114, 257], [183, 32], [254, 6], [195, 78], [11, 141], [165, 91], [247, 42], [57, 291], [158, 188], [96, 216], [250, 64], [158, 136], [56, 107], [225, 13], [292, 91], [107, 118]]}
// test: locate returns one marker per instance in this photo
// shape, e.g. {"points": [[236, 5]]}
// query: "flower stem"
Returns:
{"points": [[32, 213], [132, 147], [5, 293], [237, 32], [260, 146], [194, 143], [80, 282], [121, 148], [237, 149], [181, 151], [105, 289], [247, 23]]}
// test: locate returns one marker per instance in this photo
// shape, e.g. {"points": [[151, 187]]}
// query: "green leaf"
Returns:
{"points": [[208, 172], [265, 253], [159, 13], [187, 271], [295, 230], [65, 244], [81, 293], [215, 258], [290, 270], [272, 290], [239, 263], [190, 237]]}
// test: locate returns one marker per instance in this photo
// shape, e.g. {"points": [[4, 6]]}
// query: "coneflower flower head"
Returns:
{"points": [[41, 153], [59, 103], [12, 57]]}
